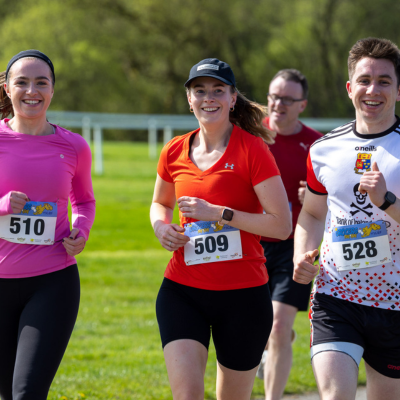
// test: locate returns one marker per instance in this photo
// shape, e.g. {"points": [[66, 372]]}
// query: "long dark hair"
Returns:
{"points": [[6, 108], [249, 116]]}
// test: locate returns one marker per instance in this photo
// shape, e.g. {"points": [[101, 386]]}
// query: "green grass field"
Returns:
{"points": [[115, 350]]}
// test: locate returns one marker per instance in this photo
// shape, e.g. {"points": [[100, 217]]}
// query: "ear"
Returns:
{"points": [[189, 98], [234, 99], [348, 88], [398, 94], [6, 90], [303, 105]]}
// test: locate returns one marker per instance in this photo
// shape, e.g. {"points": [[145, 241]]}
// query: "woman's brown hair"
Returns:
{"points": [[249, 116], [6, 108]]}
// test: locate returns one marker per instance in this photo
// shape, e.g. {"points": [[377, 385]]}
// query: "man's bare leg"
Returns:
{"points": [[380, 386], [279, 358], [336, 374]]}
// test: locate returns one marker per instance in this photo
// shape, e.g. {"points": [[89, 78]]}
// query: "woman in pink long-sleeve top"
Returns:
{"points": [[41, 167]]}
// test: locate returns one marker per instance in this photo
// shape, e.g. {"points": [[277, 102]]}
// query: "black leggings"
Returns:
{"points": [[37, 316]]}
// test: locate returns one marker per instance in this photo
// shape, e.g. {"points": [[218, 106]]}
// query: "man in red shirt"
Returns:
{"points": [[287, 98]]}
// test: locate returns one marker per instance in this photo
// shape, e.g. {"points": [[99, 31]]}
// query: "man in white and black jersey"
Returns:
{"points": [[352, 202]]}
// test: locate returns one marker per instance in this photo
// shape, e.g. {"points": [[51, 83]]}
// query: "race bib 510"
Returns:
{"points": [[35, 224], [211, 242], [360, 246]]}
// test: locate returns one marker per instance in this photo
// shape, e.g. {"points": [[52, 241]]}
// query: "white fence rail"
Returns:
{"points": [[96, 122]]}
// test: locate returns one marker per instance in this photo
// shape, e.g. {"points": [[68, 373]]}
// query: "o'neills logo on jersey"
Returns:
{"points": [[363, 163], [366, 148]]}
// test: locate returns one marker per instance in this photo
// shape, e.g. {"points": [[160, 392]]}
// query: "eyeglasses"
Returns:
{"points": [[286, 100]]}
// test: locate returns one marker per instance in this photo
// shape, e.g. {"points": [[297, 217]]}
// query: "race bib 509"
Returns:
{"points": [[211, 242]]}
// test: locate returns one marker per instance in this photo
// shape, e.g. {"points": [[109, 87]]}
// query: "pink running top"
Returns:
{"points": [[48, 168]]}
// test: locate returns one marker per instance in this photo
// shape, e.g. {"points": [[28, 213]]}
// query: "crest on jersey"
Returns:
{"points": [[363, 163]]}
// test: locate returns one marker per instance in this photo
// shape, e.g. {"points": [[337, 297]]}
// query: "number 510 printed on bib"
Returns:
{"points": [[35, 224]]}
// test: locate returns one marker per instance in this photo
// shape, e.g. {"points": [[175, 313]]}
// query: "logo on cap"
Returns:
{"points": [[208, 66]]}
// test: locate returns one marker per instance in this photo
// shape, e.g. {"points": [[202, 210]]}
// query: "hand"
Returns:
{"points": [[373, 183], [192, 207], [171, 236], [18, 201], [304, 269], [74, 246], [302, 191]]}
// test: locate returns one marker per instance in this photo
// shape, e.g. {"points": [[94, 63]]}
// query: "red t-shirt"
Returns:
{"points": [[246, 162], [291, 153]]}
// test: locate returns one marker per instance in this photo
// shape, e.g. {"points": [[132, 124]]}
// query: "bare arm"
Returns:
{"points": [[308, 236], [302, 191], [161, 213], [394, 210], [275, 223]]}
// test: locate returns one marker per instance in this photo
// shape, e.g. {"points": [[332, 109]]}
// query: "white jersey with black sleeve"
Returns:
{"points": [[360, 251]]}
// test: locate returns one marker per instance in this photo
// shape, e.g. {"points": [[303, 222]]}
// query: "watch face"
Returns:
{"points": [[227, 215], [390, 197]]}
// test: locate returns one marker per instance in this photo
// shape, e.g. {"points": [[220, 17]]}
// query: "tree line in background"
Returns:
{"points": [[133, 56]]}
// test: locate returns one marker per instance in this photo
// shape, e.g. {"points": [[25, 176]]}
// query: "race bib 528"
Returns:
{"points": [[35, 224], [211, 242], [360, 246]]}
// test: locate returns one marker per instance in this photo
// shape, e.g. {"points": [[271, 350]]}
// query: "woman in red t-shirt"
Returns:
{"points": [[222, 176]]}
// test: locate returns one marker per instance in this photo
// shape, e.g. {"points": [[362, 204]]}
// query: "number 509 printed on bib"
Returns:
{"points": [[211, 242]]}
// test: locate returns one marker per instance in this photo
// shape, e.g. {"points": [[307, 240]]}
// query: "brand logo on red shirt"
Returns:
{"points": [[229, 166], [304, 146]]}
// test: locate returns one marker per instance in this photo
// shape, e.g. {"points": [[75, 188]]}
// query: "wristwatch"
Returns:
{"points": [[390, 199], [226, 216]]}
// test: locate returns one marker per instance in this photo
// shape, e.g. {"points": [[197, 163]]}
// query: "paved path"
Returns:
{"points": [[361, 395]]}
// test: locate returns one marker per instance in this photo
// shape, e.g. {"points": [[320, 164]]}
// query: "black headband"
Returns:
{"points": [[30, 53]]}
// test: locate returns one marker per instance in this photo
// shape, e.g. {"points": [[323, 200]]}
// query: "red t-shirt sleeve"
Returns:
{"points": [[312, 182], [261, 162], [162, 167]]}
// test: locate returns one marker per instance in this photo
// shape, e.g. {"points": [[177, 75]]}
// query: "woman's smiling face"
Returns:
{"points": [[211, 99], [30, 87]]}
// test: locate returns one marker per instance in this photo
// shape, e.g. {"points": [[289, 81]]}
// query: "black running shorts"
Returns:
{"points": [[240, 320], [279, 265], [344, 326]]}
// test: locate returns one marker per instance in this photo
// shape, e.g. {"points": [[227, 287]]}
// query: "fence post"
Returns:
{"points": [[167, 134], [86, 129], [98, 150], [152, 139]]}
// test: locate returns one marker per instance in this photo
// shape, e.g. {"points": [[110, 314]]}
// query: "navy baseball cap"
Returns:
{"points": [[213, 68]]}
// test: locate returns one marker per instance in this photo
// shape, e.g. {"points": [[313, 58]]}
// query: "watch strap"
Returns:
{"points": [[226, 216], [387, 202]]}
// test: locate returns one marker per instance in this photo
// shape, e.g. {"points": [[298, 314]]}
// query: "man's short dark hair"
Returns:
{"points": [[293, 75], [374, 48]]}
